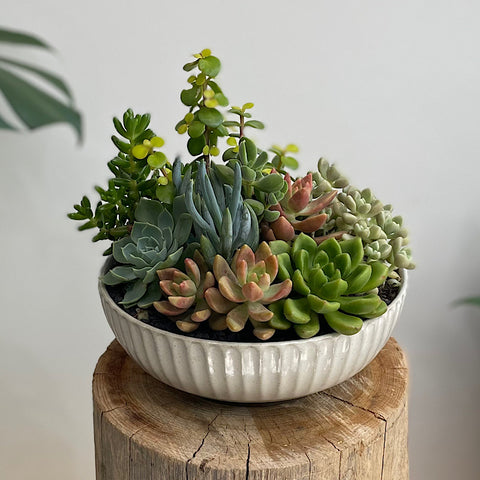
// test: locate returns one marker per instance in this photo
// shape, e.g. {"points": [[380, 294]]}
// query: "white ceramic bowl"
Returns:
{"points": [[251, 372]]}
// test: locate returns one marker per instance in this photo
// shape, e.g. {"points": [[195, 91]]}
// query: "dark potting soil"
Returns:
{"points": [[387, 293]]}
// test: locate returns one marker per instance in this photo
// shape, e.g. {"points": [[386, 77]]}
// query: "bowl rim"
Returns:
{"points": [[301, 341]]}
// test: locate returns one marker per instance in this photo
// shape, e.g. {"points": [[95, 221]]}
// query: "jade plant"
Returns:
{"points": [[229, 239]]}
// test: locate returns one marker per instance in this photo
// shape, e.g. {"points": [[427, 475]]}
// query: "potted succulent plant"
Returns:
{"points": [[230, 279]]}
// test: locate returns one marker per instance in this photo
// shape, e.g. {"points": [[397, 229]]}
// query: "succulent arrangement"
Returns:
{"points": [[231, 240]]}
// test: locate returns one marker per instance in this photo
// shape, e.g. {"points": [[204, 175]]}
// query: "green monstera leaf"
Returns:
{"points": [[34, 106]]}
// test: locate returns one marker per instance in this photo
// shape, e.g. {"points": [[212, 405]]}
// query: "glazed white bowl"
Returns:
{"points": [[251, 372]]}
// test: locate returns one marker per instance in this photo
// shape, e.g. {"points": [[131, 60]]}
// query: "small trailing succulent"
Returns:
{"points": [[231, 239]]}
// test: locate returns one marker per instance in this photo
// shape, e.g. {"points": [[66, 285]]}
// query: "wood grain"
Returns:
{"points": [[145, 430]]}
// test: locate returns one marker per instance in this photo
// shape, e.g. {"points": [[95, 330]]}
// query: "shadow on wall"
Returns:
{"points": [[33, 415]]}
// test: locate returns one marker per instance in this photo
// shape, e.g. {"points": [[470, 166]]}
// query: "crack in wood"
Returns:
{"points": [[130, 459], [375, 414], [114, 408], [247, 467], [201, 445], [309, 466], [383, 452]]}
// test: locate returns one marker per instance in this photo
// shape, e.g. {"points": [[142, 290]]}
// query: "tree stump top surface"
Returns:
{"points": [[191, 437]]}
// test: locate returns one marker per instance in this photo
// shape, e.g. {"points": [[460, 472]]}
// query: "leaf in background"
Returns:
{"points": [[5, 125], [9, 36], [469, 301], [34, 106], [49, 77]]}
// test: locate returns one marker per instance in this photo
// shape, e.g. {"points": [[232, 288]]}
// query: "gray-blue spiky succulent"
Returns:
{"points": [[156, 241], [222, 220]]}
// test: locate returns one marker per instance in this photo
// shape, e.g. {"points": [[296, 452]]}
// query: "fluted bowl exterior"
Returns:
{"points": [[251, 372]]}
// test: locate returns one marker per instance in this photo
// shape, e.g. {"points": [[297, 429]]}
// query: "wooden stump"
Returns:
{"points": [[147, 430]]}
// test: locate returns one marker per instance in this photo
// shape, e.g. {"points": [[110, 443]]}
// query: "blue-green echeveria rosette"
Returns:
{"points": [[156, 241]]}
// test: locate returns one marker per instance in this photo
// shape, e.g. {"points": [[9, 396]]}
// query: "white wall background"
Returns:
{"points": [[387, 90]]}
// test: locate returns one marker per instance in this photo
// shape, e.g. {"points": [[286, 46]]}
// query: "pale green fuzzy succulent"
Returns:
{"points": [[358, 213], [155, 242]]}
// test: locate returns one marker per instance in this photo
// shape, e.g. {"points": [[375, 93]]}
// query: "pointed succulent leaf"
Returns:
{"points": [[310, 224], [135, 292], [271, 266], [168, 273], [279, 246], [277, 291], [217, 322], [354, 248], [380, 310], [299, 284], [263, 252], [304, 242], [303, 262], [262, 333], [362, 305], [278, 320], [217, 302], [169, 287], [230, 290], [321, 305], [221, 268], [152, 294], [309, 329], [316, 280], [118, 275], [297, 310], [141, 229], [318, 204], [343, 323], [258, 312], [358, 279], [333, 289], [237, 317], [285, 269], [226, 230], [283, 229], [182, 303], [183, 228], [331, 247], [378, 276], [251, 291], [201, 314], [344, 263], [187, 288]]}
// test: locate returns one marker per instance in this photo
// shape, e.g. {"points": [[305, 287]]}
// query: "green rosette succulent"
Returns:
{"points": [[185, 292], [156, 241], [331, 280], [245, 287]]}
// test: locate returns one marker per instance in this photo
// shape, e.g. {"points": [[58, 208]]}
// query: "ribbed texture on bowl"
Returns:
{"points": [[250, 372]]}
